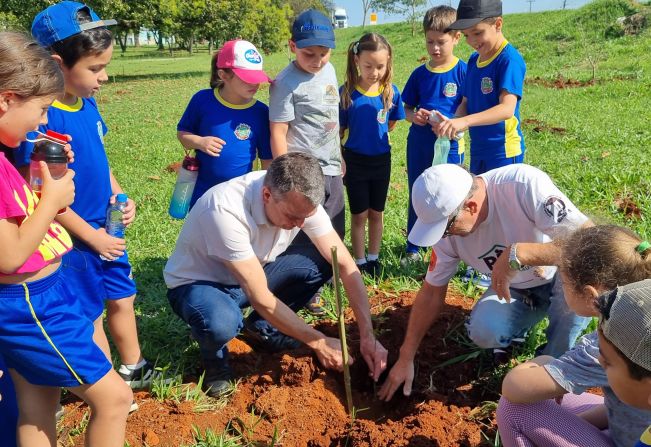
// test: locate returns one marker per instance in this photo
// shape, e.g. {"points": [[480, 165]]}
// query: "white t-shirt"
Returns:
{"points": [[228, 223], [524, 205]]}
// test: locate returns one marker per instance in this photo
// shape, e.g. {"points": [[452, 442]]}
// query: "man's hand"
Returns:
{"points": [[328, 351], [402, 372], [375, 356], [106, 245], [502, 276]]}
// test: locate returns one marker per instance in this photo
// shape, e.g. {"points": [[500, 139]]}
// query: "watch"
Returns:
{"points": [[514, 262]]}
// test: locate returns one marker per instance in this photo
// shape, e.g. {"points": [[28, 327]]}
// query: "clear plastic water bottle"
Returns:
{"points": [[187, 178], [441, 151], [114, 225]]}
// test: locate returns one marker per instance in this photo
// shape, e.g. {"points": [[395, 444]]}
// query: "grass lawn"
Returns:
{"points": [[593, 140]]}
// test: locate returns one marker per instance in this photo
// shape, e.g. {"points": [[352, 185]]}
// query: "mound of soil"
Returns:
{"points": [[291, 400]]}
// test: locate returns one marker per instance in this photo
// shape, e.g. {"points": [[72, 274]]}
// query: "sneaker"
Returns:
{"points": [[372, 268], [315, 306], [217, 378], [411, 258], [141, 377], [478, 279], [59, 412], [268, 339]]}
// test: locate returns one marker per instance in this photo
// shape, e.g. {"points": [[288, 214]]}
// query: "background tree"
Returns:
{"points": [[412, 10]]}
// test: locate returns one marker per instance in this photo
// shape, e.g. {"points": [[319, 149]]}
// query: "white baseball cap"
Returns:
{"points": [[436, 194], [244, 59]]}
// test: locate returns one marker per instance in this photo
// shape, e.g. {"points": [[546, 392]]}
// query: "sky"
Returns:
{"points": [[355, 12]]}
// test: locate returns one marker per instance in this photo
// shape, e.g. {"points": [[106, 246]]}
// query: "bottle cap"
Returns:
{"points": [[49, 150], [121, 198], [191, 163], [56, 136]]}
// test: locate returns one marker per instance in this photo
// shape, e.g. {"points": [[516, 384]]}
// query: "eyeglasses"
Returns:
{"points": [[450, 224]]}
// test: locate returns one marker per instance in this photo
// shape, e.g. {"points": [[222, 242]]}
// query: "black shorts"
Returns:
{"points": [[367, 180]]}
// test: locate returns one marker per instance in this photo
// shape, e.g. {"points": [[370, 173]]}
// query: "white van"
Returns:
{"points": [[340, 18]]}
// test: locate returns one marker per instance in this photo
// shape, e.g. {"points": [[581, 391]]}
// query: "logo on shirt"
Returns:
{"points": [[330, 95], [432, 261], [100, 131], [490, 257], [555, 208], [252, 56], [242, 131], [382, 116], [486, 85], [450, 90]]}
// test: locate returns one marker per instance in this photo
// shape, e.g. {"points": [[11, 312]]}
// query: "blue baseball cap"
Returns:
{"points": [[310, 28], [58, 22]]}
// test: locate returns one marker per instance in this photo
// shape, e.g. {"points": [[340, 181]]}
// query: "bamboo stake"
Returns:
{"points": [[342, 329]]}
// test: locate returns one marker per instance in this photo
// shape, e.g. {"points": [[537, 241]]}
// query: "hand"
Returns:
{"points": [[502, 276], [61, 192], [375, 356], [402, 372], [211, 145], [1, 377], [450, 127], [106, 245], [129, 213], [421, 117], [328, 351], [68, 149]]}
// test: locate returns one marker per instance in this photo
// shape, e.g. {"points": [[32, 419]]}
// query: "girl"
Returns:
{"points": [[370, 106], [226, 126], [45, 339], [555, 413]]}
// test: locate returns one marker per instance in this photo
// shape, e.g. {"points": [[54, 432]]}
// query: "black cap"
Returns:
{"points": [[471, 12]]}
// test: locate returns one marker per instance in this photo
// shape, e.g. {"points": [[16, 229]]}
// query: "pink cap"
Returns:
{"points": [[244, 59]]}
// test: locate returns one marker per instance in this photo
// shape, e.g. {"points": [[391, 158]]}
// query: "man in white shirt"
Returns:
{"points": [[503, 222], [234, 251]]}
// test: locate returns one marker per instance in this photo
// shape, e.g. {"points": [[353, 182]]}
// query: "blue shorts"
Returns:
{"points": [[480, 165], [45, 335], [8, 409], [94, 280]]}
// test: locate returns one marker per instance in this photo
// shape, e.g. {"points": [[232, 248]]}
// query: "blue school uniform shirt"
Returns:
{"points": [[83, 122], [645, 439], [244, 128], [367, 123], [435, 89], [484, 83]]}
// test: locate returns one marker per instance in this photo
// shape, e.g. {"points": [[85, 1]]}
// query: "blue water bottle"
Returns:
{"points": [[187, 178], [114, 225]]}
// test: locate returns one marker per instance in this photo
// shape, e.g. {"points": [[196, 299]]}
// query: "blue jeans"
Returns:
{"points": [[214, 311], [493, 322]]}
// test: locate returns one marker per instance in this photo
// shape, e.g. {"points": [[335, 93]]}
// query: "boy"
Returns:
{"points": [[625, 345], [82, 45], [304, 113], [492, 90], [435, 85]]}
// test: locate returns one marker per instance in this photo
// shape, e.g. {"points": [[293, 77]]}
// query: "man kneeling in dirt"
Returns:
{"points": [[502, 223], [234, 251]]}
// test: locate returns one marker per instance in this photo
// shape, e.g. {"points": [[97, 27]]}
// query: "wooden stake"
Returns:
{"points": [[342, 329]]}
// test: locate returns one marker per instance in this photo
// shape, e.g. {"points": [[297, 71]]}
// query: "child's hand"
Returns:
{"points": [[129, 213], [0, 377], [421, 117], [211, 145], [60, 192], [450, 127], [68, 149], [106, 245]]}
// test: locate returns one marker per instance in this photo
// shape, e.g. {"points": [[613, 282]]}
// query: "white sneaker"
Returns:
{"points": [[480, 280], [410, 258]]}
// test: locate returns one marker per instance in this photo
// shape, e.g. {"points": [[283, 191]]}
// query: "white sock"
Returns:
{"points": [[372, 257], [360, 261]]}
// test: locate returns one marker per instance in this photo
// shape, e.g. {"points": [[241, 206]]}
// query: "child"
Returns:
{"points": [[82, 45], [625, 346], [224, 123], [45, 338], [370, 106], [594, 260], [304, 113], [435, 85], [492, 90]]}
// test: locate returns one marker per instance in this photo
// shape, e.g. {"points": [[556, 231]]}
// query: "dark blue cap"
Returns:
{"points": [[310, 28], [58, 22]]}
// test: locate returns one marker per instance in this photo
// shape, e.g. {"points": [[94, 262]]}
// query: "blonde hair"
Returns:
{"points": [[26, 68], [439, 19], [368, 42]]}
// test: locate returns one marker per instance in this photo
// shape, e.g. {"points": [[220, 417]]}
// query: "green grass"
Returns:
{"points": [[603, 153]]}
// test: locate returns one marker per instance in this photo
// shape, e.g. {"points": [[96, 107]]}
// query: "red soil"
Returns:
{"points": [[292, 396]]}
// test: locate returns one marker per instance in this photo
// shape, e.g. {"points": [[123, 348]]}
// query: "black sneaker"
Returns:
{"points": [[372, 268], [315, 306], [268, 339], [141, 377], [217, 378]]}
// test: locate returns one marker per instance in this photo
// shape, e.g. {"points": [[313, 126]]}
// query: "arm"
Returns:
{"points": [[597, 416], [108, 246], [392, 125], [419, 117], [19, 242], [424, 311], [252, 279], [529, 382], [498, 113], [264, 164], [373, 352], [209, 145], [278, 138]]}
